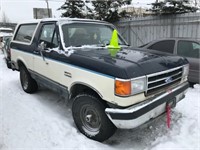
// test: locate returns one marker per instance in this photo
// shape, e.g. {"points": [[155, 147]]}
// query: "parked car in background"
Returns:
{"points": [[6, 31], [189, 48], [1, 42], [6, 50]]}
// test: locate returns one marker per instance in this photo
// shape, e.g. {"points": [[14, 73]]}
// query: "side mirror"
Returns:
{"points": [[42, 46]]}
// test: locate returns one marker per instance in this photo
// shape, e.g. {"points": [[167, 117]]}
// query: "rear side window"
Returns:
{"points": [[25, 33], [164, 46], [188, 49]]}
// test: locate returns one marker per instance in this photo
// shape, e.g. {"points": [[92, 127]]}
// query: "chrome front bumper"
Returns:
{"points": [[143, 112]]}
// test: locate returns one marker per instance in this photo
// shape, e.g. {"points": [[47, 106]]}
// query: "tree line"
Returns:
{"points": [[108, 10]]}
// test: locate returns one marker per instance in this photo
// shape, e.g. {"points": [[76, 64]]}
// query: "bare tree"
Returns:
{"points": [[5, 19]]}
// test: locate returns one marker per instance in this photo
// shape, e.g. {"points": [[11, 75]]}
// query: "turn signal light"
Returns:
{"points": [[122, 88]]}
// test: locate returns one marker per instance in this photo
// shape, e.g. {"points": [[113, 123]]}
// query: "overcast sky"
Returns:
{"points": [[19, 10]]}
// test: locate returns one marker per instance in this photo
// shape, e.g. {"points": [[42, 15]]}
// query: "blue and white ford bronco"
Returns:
{"points": [[108, 91]]}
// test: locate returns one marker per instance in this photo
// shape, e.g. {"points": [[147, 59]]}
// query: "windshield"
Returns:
{"points": [[79, 34]]}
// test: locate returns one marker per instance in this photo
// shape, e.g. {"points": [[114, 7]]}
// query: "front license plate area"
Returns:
{"points": [[172, 103]]}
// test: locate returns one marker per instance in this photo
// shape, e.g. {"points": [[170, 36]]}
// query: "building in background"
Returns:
{"points": [[39, 13], [135, 11]]}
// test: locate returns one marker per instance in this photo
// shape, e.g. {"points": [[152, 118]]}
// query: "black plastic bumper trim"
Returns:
{"points": [[140, 112]]}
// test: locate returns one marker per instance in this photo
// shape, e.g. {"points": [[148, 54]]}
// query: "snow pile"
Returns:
{"points": [[185, 131], [43, 121]]}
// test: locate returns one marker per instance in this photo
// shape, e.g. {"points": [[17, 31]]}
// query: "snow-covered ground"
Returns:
{"points": [[42, 121]]}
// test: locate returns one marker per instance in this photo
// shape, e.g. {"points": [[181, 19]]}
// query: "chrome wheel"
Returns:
{"points": [[90, 119]]}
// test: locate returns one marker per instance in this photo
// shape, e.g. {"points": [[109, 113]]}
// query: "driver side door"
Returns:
{"points": [[47, 42]]}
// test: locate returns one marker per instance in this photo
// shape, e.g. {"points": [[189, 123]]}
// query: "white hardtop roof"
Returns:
{"points": [[60, 20]]}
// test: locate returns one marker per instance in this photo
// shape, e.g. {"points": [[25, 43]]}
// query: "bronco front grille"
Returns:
{"points": [[162, 80]]}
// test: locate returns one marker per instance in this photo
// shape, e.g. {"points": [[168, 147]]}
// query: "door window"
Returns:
{"points": [[188, 49], [49, 36], [164, 46]]}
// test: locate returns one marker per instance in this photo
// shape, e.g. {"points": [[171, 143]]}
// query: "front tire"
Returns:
{"points": [[191, 84], [90, 118], [29, 85]]}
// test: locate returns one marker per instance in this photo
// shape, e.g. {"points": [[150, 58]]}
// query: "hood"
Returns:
{"points": [[128, 63], [151, 62]]}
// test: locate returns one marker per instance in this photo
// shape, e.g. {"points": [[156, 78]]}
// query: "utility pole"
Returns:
{"points": [[48, 8]]}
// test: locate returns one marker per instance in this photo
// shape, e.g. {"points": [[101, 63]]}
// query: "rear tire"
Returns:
{"points": [[29, 85], [8, 64], [90, 118]]}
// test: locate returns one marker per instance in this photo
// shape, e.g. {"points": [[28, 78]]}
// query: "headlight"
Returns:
{"points": [[138, 85], [185, 70], [130, 87]]}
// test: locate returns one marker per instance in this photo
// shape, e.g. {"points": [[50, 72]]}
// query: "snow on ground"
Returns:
{"points": [[42, 121]]}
